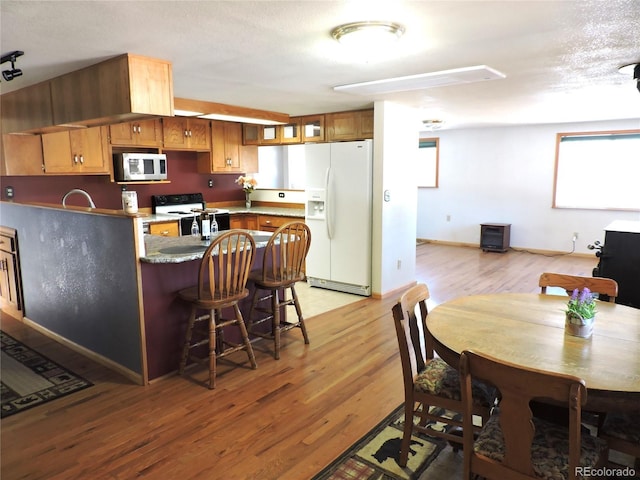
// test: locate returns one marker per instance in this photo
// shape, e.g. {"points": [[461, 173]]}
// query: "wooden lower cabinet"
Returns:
{"points": [[270, 223], [166, 229], [245, 221], [10, 282]]}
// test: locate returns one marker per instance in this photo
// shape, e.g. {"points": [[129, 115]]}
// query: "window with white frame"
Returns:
{"points": [[427, 165], [598, 170]]}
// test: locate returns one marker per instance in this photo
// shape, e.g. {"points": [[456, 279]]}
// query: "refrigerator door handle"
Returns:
{"points": [[329, 203]]}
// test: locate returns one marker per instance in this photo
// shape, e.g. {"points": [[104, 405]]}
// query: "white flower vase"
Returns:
{"points": [[577, 326], [247, 199]]}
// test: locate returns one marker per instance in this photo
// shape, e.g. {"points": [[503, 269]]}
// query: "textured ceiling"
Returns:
{"points": [[560, 58]]}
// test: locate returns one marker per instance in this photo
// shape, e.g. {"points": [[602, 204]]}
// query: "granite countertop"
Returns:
{"points": [[160, 249], [275, 211]]}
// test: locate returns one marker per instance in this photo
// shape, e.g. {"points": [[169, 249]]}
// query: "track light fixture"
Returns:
{"points": [[632, 69], [9, 75]]}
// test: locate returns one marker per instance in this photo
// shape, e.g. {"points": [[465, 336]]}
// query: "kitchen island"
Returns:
{"points": [[168, 265], [93, 282]]}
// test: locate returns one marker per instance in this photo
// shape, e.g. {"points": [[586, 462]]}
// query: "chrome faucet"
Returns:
{"points": [[81, 192]]}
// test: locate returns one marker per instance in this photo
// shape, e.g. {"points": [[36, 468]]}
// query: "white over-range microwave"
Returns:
{"points": [[140, 166]]}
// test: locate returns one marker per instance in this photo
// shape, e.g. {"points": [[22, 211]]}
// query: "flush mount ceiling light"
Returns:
{"points": [[456, 76], [367, 34], [433, 124]]}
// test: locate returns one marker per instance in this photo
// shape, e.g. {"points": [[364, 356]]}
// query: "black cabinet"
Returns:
{"points": [[495, 237], [620, 260]]}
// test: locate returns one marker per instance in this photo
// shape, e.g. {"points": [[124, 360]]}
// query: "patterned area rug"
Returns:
{"points": [[29, 379], [375, 455]]}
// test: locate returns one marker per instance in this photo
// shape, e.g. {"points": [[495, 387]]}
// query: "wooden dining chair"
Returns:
{"points": [[515, 444], [282, 267], [222, 279], [601, 285], [621, 430], [428, 380]]}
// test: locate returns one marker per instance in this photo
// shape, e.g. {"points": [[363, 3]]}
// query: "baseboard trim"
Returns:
{"points": [[535, 251], [130, 374]]}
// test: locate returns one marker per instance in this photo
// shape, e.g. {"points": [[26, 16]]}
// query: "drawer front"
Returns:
{"points": [[271, 223], [166, 229], [7, 244]]}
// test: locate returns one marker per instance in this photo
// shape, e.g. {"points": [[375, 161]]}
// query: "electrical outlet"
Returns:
{"points": [[8, 191]]}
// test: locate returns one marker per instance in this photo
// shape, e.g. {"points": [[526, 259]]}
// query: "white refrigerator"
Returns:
{"points": [[338, 210]]}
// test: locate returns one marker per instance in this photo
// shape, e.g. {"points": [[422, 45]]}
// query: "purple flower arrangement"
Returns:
{"points": [[581, 306]]}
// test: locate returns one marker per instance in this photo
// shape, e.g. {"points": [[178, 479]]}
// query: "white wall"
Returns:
{"points": [[394, 227], [506, 175]]}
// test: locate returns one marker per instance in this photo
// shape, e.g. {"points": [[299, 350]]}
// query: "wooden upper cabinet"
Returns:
{"points": [[22, 155], [224, 157], [250, 134], [366, 124], [184, 133], [312, 128], [76, 152], [146, 133], [270, 134], [27, 109], [249, 158], [354, 125], [290, 133], [125, 87]]}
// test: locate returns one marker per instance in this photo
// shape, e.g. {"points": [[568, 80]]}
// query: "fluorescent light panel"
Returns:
{"points": [[218, 111], [456, 76], [186, 113], [235, 118]]}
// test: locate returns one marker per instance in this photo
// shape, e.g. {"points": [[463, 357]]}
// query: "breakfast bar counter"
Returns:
{"points": [[168, 265], [160, 249]]}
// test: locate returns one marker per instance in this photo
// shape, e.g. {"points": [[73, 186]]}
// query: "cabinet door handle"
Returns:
{"points": [[165, 233], [186, 133], [82, 159], [190, 133], [133, 128], [75, 159], [139, 128]]}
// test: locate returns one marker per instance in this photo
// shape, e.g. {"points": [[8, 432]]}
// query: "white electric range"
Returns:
{"points": [[185, 206]]}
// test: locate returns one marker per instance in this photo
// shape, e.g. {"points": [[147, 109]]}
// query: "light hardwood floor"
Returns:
{"points": [[285, 420]]}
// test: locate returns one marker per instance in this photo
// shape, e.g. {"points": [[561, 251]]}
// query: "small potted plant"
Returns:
{"points": [[247, 184], [581, 312]]}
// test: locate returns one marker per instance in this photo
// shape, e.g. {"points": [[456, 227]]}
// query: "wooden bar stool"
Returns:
{"points": [[222, 279], [282, 267]]}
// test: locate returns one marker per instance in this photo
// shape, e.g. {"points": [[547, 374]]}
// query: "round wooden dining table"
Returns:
{"points": [[528, 330]]}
